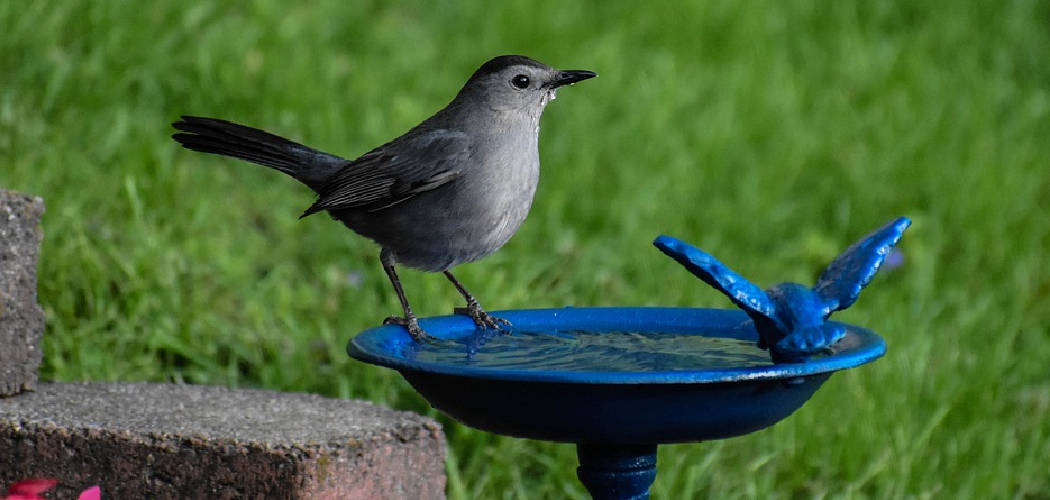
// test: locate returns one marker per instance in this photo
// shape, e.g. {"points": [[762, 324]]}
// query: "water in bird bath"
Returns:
{"points": [[595, 351]]}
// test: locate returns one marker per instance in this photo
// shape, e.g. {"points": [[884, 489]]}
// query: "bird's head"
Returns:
{"points": [[518, 84]]}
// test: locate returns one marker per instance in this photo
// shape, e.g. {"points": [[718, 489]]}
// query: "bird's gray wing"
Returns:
{"points": [[395, 172], [743, 293], [841, 283]]}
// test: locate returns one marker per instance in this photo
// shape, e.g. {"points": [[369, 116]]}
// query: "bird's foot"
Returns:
{"points": [[412, 325], [481, 318]]}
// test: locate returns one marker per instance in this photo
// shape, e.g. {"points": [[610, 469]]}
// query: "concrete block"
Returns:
{"points": [[142, 440], [21, 318]]}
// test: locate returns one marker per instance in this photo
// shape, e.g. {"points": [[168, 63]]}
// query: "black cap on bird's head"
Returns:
{"points": [[499, 63], [516, 82]]}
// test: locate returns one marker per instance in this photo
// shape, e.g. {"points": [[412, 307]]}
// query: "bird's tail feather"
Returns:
{"points": [[212, 135]]}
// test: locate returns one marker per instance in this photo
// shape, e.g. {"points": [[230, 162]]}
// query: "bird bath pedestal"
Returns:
{"points": [[615, 381]]}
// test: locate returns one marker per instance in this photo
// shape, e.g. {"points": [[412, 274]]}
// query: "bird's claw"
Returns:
{"points": [[481, 318], [412, 325]]}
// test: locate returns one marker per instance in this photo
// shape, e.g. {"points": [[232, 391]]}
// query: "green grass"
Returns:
{"points": [[772, 135]]}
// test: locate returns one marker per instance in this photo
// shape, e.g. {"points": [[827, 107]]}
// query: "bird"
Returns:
{"points": [[791, 318], [451, 190]]}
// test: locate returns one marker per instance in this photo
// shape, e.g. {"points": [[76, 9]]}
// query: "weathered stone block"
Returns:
{"points": [[21, 318], [141, 440]]}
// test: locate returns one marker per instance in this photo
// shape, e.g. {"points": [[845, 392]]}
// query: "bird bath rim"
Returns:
{"points": [[390, 345]]}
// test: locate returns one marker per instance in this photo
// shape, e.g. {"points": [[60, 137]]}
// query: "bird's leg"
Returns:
{"points": [[473, 309], [409, 320]]}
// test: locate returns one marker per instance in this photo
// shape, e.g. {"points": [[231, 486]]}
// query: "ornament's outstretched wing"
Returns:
{"points": [[743, 293], [841, 283]]}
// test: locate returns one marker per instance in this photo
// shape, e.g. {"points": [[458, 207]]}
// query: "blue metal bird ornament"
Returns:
{"points": [[791, 319]]}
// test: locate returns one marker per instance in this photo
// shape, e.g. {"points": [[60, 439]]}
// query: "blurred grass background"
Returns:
{"points": [[771, 134]]}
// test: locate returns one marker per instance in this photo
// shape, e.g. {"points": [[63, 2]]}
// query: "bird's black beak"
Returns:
{"points": [[569, 77]]}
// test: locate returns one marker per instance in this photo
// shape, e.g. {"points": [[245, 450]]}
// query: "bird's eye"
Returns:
{"points": [[520, 81]]}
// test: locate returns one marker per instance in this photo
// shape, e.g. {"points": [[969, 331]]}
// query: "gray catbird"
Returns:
{"points": [[451, 190]]}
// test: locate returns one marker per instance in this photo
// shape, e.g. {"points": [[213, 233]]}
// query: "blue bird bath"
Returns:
{"points": [[616, 381]]}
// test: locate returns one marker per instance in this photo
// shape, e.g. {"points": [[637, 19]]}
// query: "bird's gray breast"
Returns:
{"points": [[505, 188]]}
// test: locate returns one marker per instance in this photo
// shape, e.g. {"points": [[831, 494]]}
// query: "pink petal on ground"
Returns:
{"points": [[92, 493], [31, 487]]}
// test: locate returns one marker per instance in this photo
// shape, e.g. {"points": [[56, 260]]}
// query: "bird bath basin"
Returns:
{"points": [[616, 381]]}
